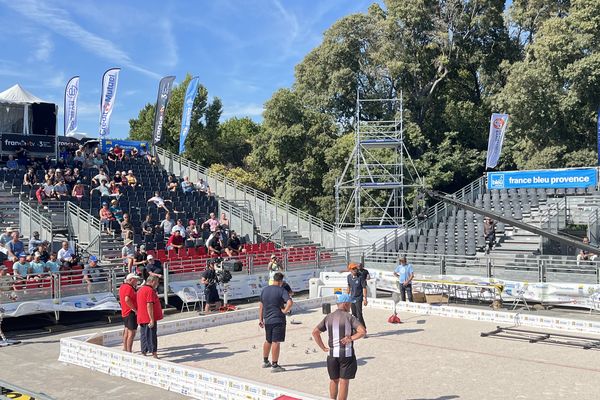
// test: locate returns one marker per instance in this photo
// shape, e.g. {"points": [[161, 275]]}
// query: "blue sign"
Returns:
{"points": [[547, 178], [127, 145]]}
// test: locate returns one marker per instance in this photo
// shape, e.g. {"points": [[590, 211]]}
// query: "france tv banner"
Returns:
{"points": [[543, 179], [498, 124], [110, 79], [164, 93], [188, 105], [71, 94]]}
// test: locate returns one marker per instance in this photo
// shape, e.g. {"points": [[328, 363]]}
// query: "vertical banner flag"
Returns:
{"points": [[497, 129], [110, 79], [71, 94], [186, 117], [598, 134], [164, 92]]}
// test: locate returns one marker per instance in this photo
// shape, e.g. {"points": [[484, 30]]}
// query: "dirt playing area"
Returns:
{"points": [[424, 358]]}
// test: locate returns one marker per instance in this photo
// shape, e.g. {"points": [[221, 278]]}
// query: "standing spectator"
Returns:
{"points": [[128, 300], [176, 241], [147, 226], [186, 185], [405, 274], [275, 303], [489, 233], [149, 313], [193, 234], [167, 225], [15, 247], [357, 289], [78, 190], [21, 267], [34, 242], [212, 223], [159, 202], [131, 179], [126, 227], [343, 329], [224, 222], [234, 245], [179, 227], [92, 273], [66, 255], [22, 157], [106, 218], [211, 293], [128, 255], [274, 267]]}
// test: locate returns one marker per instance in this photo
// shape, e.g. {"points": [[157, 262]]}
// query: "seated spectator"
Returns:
{"points": [[126, 227], [111, 156], [79, 159], [585, 255], [147, 226], [201, 186], [92, 273], [29, 179], [106, 218], [131, 179], [193, 234], [166, 225], [175, 241], [96, 161], [224, 225], [139, 260], [152, 268], [158, 201], [58, 175], [61, 190], [37, 266], [15, 247], [42, 248], [211, 223], [66, 256], [179, 227], [78, 191], [21, 268], [104, 191], [68, 177], [4, 239], [214, 244], [135, 152], [52, 265], [117, 178], [172, 184], [6, 281], [64, 156], [234, 245], [116, 210], [12, 164], [78, 177], [114, 190], [119, 152], [186, 185], [34, 242], [100, 177], [128, 255], [46, 191]]}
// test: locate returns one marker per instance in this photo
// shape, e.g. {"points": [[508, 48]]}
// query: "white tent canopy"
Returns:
{"points": [[17, 95]]}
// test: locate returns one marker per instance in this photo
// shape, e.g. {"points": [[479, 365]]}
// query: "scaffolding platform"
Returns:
{"points": [[381, 143], [585, 342]]}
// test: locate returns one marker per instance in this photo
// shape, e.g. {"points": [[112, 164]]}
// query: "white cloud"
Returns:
{"points": [[44, 48], [170, 42], [243, 110], [59, 21]]}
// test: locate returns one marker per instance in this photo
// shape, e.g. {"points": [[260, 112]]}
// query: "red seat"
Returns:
{"points": [[9, 266]]}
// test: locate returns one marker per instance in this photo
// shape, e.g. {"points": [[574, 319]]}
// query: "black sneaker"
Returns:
{"points": [[267, 364], [277, 368]]}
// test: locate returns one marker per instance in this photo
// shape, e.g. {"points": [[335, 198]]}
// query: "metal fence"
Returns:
{"points": [[86, 227], [31, 220]]}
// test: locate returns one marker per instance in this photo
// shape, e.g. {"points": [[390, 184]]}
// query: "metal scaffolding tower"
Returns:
{"points": [[379, 173]]}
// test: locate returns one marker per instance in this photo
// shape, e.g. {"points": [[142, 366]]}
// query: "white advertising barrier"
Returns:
{"points": [[503, 317], [330, 283], [245, 286], [87, 351], [563, 294], [91, 302]]}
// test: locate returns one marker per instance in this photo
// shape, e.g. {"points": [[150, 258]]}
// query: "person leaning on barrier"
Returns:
{"points": [[405, 274]]}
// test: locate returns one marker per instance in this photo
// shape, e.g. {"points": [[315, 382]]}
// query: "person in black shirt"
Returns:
{"points": [[234, 245], [357, 289], [211, 294], [147, 226], [363, 272]]}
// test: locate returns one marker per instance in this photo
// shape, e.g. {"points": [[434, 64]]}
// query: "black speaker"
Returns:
{"points": [[43, 116], [232, 265]]}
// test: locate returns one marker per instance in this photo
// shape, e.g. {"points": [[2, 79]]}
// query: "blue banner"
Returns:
{"points": [[498, 124], [548, 178], [186, 117], [110, 80], [127, 145], [71, 94], [598, 134]]}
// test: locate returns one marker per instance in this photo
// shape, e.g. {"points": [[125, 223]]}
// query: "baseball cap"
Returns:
{"points": [[150, 257], [345, 298], [22, 255], [132, 276], [93, 258]]}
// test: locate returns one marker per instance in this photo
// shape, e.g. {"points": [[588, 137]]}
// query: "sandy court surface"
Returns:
{"points": [[426, 357]]}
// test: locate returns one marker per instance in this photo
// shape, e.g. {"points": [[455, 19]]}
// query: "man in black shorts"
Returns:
{"points": [[275, 303], [211, 293], [128, 300], [343, 328]]}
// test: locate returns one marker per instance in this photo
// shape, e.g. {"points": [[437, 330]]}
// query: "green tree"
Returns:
{"points": [[235, 140]]}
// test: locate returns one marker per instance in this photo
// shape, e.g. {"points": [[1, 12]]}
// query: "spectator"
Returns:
{"points": [[42, 248], [77, 176], [224, 222], [357, 289], [79, 159], [585, 255], [114, 190], [186, 185], [167, 225], [22, 157], [153, 268], [117, 179], [6, 281], [201, 186], [234, 245], [211, 222], [146, 154], [214, 244], [131, 179], [489, 233], [274, 267], [135, 152], [46, 191], [68, 177], [126, 227], [147, 226], [128, 300], [52, 264], [102, 189], [100, 177], [158, 201], [119, 152], [61, 190], [66, 256], [12, 164], [149, 313], [179, 227], [128, 254], [15, 247], [172, 184], [140, 259], [111, 156], [21, 267], [37, 265], [78, 191], [4, 239], [211, 293], [34, 242], [193, 234], [175, 242], [92, 273], [106, 218], [405, 274], [29, 179], [116, 210]]}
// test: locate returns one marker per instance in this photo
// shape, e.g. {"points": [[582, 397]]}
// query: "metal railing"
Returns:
{"points": [[85, 227], [31, 220], [240, 217], [276, 210]]}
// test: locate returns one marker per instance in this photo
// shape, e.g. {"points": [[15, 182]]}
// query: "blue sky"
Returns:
{"points": [[242, 50]]}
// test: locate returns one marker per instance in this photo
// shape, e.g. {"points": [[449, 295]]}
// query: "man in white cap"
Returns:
{"points": [[343, 328], [128, 300]]}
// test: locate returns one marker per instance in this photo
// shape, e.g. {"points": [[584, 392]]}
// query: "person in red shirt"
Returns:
{"points": [[128, 300], [149, 313], [176, 241]]}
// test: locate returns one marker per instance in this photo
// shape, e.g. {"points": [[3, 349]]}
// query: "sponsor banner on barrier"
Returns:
{"points": [[91, 302], [127, 145], [549, 178], [32, 143]]}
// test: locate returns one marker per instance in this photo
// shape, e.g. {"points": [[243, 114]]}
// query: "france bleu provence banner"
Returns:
{"points": [[498, 124], [164, 92], [110, 79], [548, 178], [71, 94], [186, 117]]}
